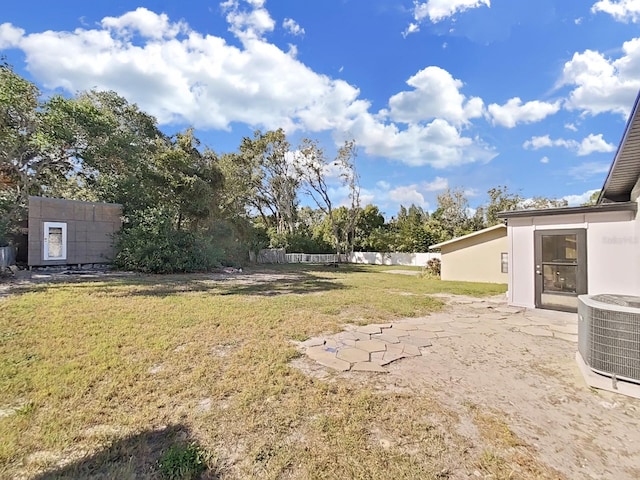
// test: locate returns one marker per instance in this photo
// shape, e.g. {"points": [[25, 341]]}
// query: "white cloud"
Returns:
{"points": [[544, 160], [438, 10], [144, 22], [514, 112], [248, 24], [412, 28], [541, 142], [391, 197], [438, 144], [10, 36], [182, 76], [594, 143], [571, 126], [590, 144], [602, 84], [436, 94], [292, 27], [581, 199], [407, 195], [621, 10], [436, 184]]}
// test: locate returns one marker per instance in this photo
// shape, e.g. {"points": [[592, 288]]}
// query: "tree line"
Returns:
{"points": [[189, 208]]}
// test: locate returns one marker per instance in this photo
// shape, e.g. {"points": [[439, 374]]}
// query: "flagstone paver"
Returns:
{"points": [[369, 329], [411, 350], [404, 326], [370, 348], [353, 355], [385, 337], [372, 345]]}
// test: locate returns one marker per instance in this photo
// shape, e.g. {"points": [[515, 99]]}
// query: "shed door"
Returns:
{"points": [[561, 268], [55, 241]]}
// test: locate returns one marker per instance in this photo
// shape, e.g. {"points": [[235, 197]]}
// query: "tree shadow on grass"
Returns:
{"points": [[268, 280], [136, 456]]}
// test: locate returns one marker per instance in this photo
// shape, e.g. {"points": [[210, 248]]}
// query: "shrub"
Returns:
{"points": [[432, 268], [151, 244], [183, 462]]}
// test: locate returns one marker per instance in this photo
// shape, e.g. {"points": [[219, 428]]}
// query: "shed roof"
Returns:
{"points": [[470, 235], [625, 169]]}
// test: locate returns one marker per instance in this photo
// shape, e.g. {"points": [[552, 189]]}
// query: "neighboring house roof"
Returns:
{"points": [[625, 169], [603, 207], [470, 235]]}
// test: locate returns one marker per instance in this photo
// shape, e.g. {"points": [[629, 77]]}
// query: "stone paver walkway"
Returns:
{"points": [[372, 347]]}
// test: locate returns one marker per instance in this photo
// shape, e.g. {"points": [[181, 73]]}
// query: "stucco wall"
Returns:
{"points": [[475, 259], [90, 228], [612, 253]]}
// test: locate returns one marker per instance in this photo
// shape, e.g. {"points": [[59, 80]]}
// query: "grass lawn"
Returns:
{"points": [[100, 379]]}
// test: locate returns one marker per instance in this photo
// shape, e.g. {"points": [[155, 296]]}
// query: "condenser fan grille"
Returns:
{"points": [[609, 336]]}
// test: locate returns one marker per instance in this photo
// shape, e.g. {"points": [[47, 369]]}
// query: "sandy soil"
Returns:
{"points": [[534, 384]]}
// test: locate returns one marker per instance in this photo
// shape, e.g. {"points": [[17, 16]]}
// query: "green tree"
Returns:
{"points": [[32, 153], [313, 169], [452, 213], [539, 203], [368, 228], [261, 177], [501, 200], [593, 199]]}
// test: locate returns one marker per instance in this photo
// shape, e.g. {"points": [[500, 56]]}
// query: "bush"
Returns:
{"points": [[183, 462], [151, 244], [432, 268]]}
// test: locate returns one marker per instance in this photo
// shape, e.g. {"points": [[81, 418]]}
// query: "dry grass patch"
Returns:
{"points": [[504, 454], [102, 378]]}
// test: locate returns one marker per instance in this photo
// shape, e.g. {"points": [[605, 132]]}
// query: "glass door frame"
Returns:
{"points": [[581, 266]]}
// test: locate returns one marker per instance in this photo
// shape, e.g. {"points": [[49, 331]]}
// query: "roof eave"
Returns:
{"points": [[469, 235], [602, 197], [600, 208]]}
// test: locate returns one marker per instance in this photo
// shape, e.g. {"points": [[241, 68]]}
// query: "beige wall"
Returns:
{"points": [[476, 259], [90, 229]]}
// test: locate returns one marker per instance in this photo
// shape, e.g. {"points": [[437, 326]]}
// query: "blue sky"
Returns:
{"points": [[533, 94]]}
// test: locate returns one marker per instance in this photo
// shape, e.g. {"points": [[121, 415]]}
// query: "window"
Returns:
{"points": [[504, 262], [55, 241]]}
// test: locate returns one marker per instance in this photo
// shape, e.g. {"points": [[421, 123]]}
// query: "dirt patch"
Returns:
{"points": [[511, 378]]}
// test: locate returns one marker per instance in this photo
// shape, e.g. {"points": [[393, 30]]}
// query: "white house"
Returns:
{"points": [[560, 253]]}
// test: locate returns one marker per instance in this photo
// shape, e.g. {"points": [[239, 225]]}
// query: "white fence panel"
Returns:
{"points": [[395, 258], [315, 258], [278, 255]]}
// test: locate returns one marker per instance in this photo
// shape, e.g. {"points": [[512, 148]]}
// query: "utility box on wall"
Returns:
{"points": [[71, 232]]}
